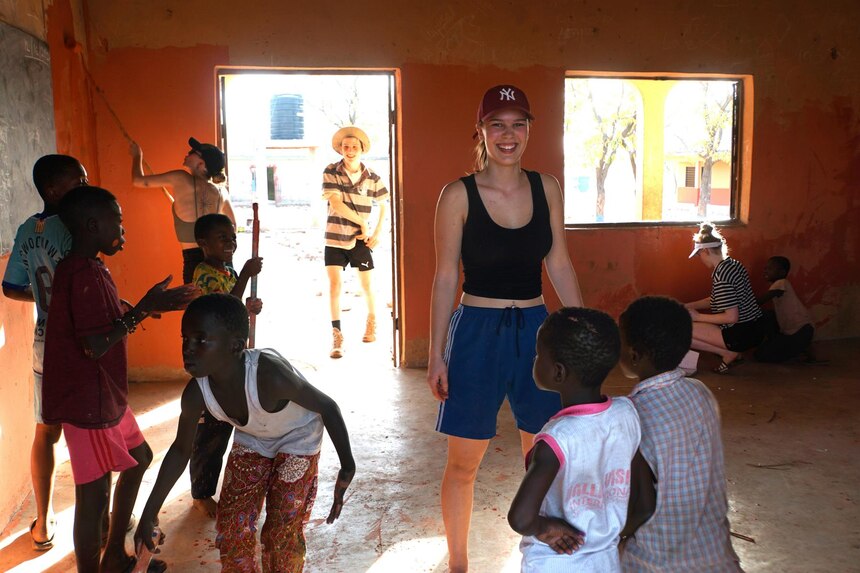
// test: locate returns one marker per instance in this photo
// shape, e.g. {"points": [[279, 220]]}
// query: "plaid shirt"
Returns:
{"points": [[681, 442]]}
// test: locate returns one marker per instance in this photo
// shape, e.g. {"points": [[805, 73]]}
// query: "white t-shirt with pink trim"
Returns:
{"points": [[594, 444]]}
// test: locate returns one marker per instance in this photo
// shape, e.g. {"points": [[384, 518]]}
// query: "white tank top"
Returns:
{"points": [[594, 444], [292, 430]]}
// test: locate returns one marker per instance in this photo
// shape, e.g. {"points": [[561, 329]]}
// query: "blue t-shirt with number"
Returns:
{"points": [[40, 243]]}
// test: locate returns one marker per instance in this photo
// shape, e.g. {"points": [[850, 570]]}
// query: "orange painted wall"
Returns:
{"points": [[155, 63], [16, 401], [161, 101]]}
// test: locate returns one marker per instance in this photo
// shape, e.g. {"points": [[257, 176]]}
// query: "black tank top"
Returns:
{"points": [[499, 262]]}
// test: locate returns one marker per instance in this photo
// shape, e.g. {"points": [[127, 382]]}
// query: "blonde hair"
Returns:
{"points": [[481, 158], [708, 233]]}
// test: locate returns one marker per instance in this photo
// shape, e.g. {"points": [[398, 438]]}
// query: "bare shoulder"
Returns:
{"points": [[275, 370], [455, 188], [180, 174], [453, 197], [192, 396], [551, 186], [180, 180]]}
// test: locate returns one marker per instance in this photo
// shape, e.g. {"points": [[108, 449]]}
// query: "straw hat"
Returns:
{"points": [[350, 131]]}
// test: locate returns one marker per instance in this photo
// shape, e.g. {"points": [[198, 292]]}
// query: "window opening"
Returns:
{"points": [[651, 150]]}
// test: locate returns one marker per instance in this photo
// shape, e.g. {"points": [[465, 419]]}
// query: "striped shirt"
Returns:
{"points": [[681, 442], [730, 287], [360, 196]]}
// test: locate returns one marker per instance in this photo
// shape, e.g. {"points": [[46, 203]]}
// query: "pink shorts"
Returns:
{"points": [[94, 453]]}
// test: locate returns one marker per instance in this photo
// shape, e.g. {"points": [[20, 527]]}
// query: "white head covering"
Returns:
{"points": [[699, 246]]}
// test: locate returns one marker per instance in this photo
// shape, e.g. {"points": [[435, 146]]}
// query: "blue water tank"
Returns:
{"points": [[287, 116]]}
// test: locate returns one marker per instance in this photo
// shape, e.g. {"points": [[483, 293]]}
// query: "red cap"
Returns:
{"points": [[504, 97]]}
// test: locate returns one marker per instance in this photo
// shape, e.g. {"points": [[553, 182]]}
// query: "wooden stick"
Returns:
{"points": [[255, 252], [741, 536]]}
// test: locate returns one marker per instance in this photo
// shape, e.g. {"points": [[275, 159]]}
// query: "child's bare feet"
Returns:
{"points": [[207, 506]]}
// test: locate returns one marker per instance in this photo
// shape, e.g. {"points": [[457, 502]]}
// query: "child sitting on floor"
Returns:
{"points": [[85, 386], [792, 334], [572, 503], [677, 515], [279, 418], [216, 236]]}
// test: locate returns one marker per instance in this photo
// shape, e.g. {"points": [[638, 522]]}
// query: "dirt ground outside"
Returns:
{"points": [[295, 292]]}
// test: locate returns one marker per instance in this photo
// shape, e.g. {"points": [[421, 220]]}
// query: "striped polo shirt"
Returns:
{"points": [[730, 286], [360, 196]]}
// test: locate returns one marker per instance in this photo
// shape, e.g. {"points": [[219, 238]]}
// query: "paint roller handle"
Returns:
{"points": [[255, 245], [255, 252]]}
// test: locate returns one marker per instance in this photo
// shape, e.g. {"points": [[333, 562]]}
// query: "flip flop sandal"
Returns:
{"points": [[40, 545], [723, 368]]}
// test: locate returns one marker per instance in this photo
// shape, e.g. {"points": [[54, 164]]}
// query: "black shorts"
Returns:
{"points": [[359, 257], [744, 335], [778, 347]]}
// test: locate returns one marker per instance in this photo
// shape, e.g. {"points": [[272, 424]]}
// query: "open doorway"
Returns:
{"points": [[276, 129]]}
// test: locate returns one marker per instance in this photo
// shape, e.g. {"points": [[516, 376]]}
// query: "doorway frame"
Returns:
{"points": [[394, 157]]}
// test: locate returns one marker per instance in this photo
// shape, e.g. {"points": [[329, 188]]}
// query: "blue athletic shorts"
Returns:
{"points": [[490, 353]]}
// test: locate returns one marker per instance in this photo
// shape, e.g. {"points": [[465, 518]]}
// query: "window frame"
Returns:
{"points": [[741, 145]]}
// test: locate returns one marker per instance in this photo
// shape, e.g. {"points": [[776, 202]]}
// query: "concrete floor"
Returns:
{"points": [[790, 434]]}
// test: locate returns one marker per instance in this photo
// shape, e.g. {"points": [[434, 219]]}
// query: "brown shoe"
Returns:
{"points": [[370, 330], [337, 344]]}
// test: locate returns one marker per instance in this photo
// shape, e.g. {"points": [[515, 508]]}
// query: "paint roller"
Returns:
{"points": [[77, 48]]}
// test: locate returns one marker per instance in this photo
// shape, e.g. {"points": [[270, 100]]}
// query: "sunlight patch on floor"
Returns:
{"points": [[428, 551], [63, 541], [158, 415]]}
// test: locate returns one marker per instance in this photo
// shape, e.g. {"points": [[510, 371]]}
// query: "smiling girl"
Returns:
{"points": [[501, 222]]}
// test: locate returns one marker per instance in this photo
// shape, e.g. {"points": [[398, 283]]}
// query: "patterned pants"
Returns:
{"points": [[288, 483]]}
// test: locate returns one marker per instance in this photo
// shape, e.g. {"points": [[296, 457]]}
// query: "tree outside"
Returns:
{"points": [[699, 129], [601, 117]]}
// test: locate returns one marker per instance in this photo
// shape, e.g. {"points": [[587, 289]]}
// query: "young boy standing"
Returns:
{"points": [[216, 236], [279, 418], [677, 516], [40, 243], [351, 189], [572, 503], [85, 379]]}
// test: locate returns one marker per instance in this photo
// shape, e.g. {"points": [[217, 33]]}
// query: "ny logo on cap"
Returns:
{"points": [[507, 94]]}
